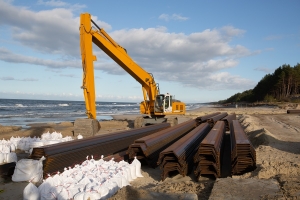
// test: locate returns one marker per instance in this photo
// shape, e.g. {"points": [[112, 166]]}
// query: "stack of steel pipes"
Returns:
{"points": [[148, 148], [179, 156], [208, 156], [61, 155], [243, 155]]}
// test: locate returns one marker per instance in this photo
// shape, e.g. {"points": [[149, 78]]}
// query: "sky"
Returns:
{"points": [[200, 51]]}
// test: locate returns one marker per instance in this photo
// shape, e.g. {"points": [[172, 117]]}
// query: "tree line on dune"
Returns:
{"points": [[282, 85]]}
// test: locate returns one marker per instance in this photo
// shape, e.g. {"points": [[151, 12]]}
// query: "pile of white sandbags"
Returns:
{"points": [[8, 147], [91, 180]]}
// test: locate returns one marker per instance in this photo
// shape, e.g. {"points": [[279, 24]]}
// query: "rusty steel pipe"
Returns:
{"points": [[208, 156], [204, 118], [212, 120], [228, 120], [295, 111], [243, 155]]}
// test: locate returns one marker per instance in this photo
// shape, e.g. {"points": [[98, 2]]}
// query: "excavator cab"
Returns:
{"points": [[163, 103]]}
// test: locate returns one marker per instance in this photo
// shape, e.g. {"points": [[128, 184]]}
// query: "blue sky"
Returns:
{"points": [[199, 51]]}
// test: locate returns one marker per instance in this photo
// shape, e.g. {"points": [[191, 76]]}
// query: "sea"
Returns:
{"points": [[23, 112]]}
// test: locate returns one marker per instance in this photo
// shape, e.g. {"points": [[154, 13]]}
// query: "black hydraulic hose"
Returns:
{"points": [[95, 24]]}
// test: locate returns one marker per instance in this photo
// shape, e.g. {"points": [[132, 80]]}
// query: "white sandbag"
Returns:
{"points": [[104, 191], [5, 148], [64, 194], [112, 186], [74, 189], [11, 157], [132, 170], [77, 176], [45, 191], [138, 165], [79, 196], [57, 180], [38, 176], [31, 192], [48, 192], [79, 136], [2, 157], [124, 181], [50, 181], [92, 195], [24, 170], [30, 151], [26, 146], [84, 181], [66, 173], [53, 142], [124, 173], [12, 147], [29, 170], [117, 180], [36, 144], [21, 145], [129, 178]]}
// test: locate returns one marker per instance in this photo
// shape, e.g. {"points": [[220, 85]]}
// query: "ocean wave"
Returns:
{"points": [[63, 104], [116, 105], [19, 105]]}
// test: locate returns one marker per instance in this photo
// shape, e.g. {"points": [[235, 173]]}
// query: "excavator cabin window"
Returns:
{"points": [[167, 102], [159, 103]]}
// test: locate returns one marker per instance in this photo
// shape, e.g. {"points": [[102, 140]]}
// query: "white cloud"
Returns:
{"points": [[58, 3], [175, 17], [52, 3], [194, 60], [8, 56], [14, 79], [264, 69], [188, 59], [7, 78], [224, 80], [49, 31]]}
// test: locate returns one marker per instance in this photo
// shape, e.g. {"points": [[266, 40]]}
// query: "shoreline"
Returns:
{"points": [[26, 123], [264, 109], [125, 121]]}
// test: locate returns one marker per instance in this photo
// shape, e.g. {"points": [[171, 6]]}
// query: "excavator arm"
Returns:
{"points": [[87, 58], [99, 37]]}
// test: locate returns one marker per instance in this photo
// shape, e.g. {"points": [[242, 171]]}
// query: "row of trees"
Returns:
{"points": [[279, 86]]}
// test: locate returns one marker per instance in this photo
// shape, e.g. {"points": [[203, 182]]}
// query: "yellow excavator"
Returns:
{"points": [[155, 108]]}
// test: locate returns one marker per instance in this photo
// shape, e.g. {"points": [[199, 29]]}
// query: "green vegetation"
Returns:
{"points": [[282, 85]]}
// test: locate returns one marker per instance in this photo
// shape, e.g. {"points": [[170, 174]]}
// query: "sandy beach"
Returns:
{"points": [[274, 134]]}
